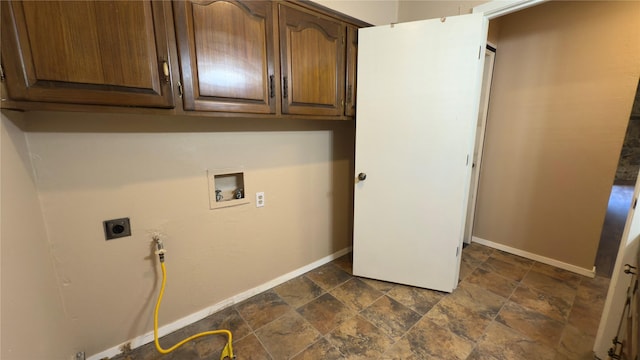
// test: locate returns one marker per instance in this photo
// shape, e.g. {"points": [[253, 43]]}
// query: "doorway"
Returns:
{"points": [[621, 194], [489, 61]]}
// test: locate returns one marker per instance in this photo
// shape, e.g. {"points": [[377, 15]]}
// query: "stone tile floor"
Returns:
{"points": [[505, 307]]}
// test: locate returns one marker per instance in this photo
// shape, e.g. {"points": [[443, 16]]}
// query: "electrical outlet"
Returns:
{"points": [[116, 228], [260, 199]]}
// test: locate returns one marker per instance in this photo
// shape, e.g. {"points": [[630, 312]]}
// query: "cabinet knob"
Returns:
{"points": [[362, 176], [165, 71]]}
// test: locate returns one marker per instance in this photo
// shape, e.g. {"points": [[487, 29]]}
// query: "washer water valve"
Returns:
{"points": [[159, 244]]}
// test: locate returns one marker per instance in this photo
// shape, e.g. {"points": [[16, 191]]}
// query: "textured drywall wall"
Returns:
{"points": [[375, 12], [159, 181], [34, 325], [563, 86], [92, 167], [410, 10]]}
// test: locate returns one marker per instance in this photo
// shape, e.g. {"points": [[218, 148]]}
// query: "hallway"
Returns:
{"points": [[617, 210]]}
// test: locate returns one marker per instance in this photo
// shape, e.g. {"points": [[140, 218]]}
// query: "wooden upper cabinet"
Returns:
{"points": [[312, 63], [352, 60], [86, 52], [226, 55]]}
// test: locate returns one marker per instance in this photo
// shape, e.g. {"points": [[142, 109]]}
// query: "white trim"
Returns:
{"points": [[481, 125], [618, 288], [494, 9], [539, 258], [201, 314]]}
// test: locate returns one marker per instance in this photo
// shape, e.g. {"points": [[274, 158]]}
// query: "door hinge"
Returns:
{"points": [[630, 270], [635, 203], [179, 84], [467, 160], [479, 52], [457, 251]]}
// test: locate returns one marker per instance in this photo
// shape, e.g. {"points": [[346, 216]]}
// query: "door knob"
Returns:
{"points": [[362, 176]]}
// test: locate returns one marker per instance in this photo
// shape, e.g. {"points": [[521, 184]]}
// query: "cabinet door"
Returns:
{"points": [[226, 55], [312, 61], [86, 52], [352, 60]]}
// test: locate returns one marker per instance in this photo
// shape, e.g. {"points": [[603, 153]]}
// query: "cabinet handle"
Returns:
{"points": [[349, 93], [165, 71], [272, 87], [286, 88], [1, 73]]}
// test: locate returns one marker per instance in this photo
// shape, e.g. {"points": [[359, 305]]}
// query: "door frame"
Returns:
{"points": [[490, 58], [491, 10], [496, 8]]}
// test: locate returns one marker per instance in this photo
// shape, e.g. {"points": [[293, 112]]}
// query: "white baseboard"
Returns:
{"points": [[199, 315], [539, 258]]}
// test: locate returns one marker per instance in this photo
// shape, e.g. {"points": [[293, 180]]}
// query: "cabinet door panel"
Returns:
{"points": [[312, 61], [86, 52], [352, 60], [135, 63], [226, 53], [69, 51]]}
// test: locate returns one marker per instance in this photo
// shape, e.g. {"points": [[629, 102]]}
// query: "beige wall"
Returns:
{"points": [[375, 12], [159, 181], [410, 10], [34, 325], [564, 82], [93, 167]]}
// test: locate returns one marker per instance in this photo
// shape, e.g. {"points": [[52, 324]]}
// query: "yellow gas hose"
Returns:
{"points": [[226, 352]]}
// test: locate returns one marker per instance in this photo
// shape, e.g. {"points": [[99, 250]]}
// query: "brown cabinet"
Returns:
{"points": [[268, 58], [312, 57], [86, 52], [352, 62], [226, 55]]}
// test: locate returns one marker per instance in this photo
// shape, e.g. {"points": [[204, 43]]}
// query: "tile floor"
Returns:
{"points": [[505, 307]]}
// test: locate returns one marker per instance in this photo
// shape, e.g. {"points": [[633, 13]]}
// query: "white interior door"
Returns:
{"points": [[418, 99], [628, 253]]}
